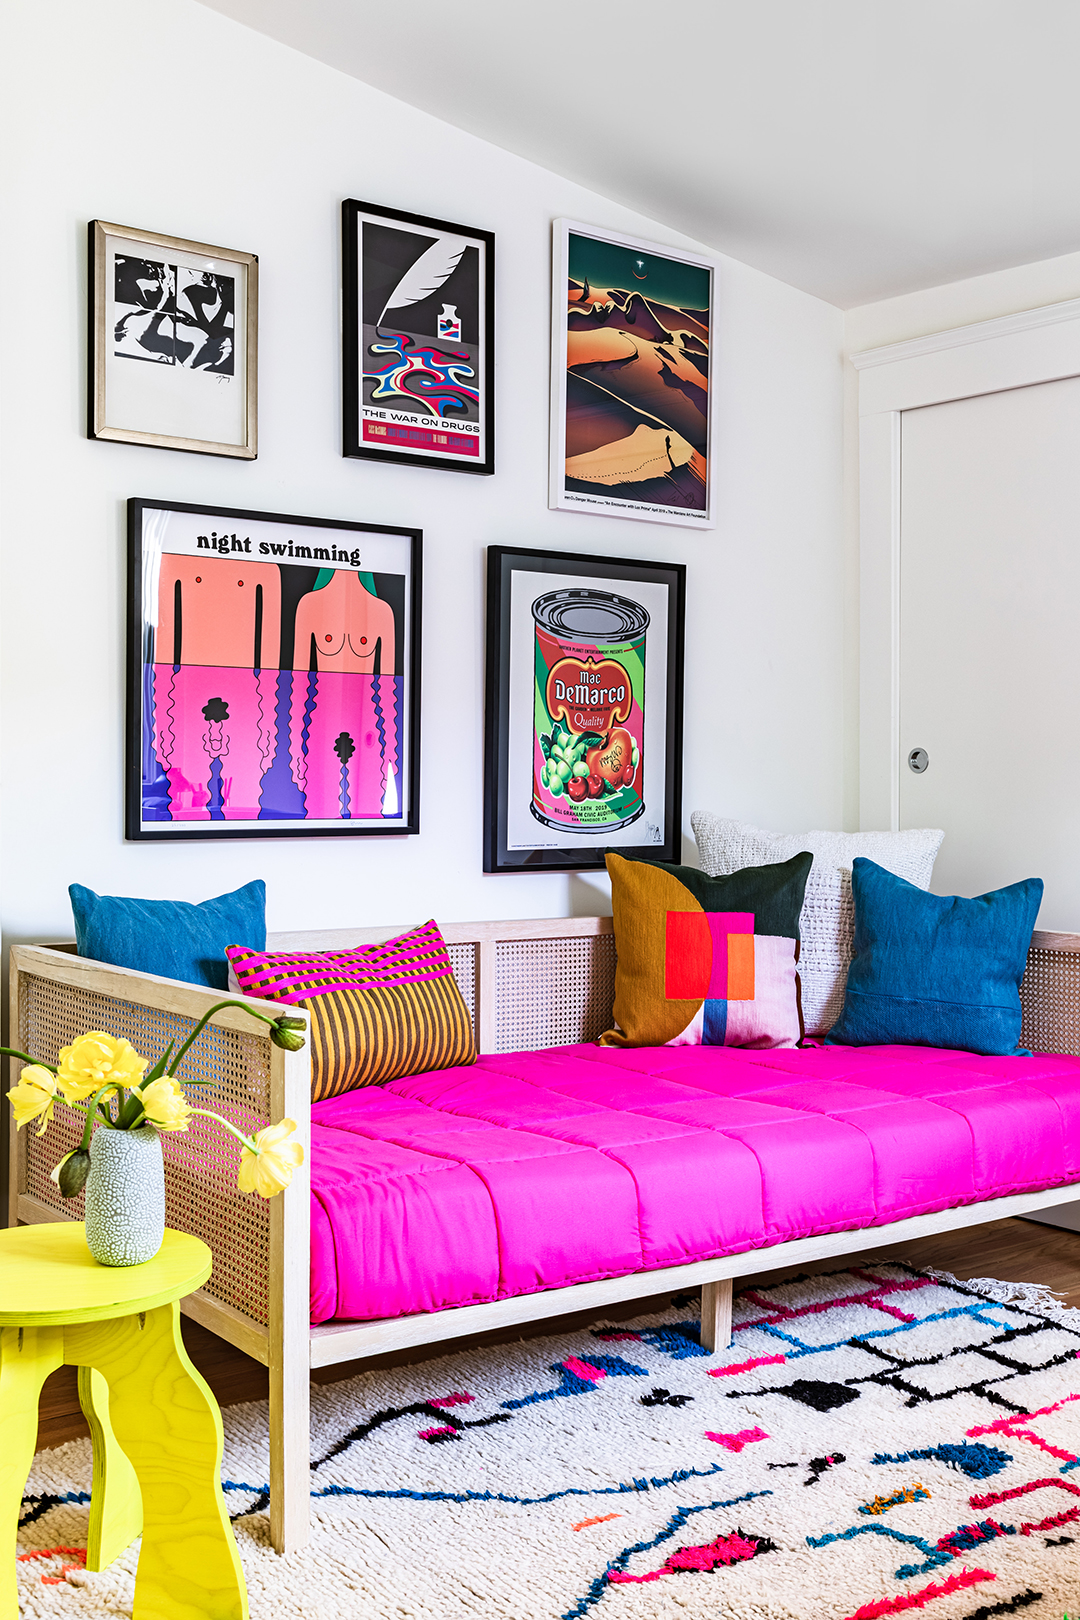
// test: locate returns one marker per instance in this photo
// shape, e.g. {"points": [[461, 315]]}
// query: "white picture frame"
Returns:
{"points": [[632, 401]]}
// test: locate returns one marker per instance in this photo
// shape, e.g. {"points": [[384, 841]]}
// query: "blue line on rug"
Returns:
{"points": [[622, 1489], [680, 1517], [976, 1461], [637, 1486], [962, 1539], [801, 1349], [583, 1382]]}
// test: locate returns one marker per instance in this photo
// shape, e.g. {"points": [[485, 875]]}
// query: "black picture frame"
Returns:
{"points": [[274, 759], [376, 261], [513, 619]]}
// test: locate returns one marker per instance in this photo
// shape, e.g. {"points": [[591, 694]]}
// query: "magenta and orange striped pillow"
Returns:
{"points": [[377, 1011]]}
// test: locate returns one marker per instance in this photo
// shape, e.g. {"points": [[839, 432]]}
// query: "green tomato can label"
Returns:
{"points": [[589, 710]]}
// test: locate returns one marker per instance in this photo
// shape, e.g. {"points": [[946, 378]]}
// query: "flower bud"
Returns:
{"points": [[288, 1033], [71, 1173]]}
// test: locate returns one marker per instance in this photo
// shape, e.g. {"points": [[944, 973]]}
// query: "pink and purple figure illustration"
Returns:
{"points": [[345, 723], [214, 726]]}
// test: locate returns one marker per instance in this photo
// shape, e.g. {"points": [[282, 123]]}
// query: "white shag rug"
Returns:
{"points": [[878, 1441]]}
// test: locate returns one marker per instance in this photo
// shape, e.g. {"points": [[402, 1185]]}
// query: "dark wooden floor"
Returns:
{"points": [[1017, 1251]]}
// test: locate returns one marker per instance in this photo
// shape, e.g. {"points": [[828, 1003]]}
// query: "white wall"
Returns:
{"points": [[171, 117], [935, 309]]}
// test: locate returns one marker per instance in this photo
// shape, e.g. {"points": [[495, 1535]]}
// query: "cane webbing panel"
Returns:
{"points": [[1050, 998], [201, 1195], [550, 992], [463, 962]]}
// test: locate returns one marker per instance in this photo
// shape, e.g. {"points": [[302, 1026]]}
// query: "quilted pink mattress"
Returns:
{"points": [[534, 1170]]}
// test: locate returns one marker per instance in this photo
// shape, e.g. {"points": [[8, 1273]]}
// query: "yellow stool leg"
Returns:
{"points": [[115, 1500], [167, 1421], [27, 1357]]}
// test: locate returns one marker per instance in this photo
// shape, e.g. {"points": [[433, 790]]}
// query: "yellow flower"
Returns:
{"points": [[97, 1060], [165, 1105], [269, 1169], [33, 1096]]}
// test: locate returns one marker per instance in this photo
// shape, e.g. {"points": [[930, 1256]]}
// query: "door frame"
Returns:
{"points": [[1012, 351]]}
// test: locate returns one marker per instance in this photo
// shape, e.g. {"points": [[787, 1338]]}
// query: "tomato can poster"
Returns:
{"points": [[273, 669], [584, 710], [419, 357], [631, 404]]}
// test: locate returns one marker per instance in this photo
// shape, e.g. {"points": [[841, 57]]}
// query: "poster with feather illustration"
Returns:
{"points": [[419, 308], [631, 384]]}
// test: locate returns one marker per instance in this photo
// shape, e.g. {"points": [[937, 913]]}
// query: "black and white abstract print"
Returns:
{"points": [[171, 315]]}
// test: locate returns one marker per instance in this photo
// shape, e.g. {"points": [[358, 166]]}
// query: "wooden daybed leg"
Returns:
{"points": [[716, 1314], [290, 1319], [290, 1459]]}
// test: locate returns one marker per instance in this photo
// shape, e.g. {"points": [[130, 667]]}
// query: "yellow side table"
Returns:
{"points": [[155, 1423]]}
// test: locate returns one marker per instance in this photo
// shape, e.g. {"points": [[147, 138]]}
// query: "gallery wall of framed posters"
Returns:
{"points": [[173, 343], [631, 404], [584, 705], [273, 675], [419, 340]]}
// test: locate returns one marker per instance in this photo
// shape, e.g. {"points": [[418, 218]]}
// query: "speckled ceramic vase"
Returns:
{"points": [[125, 1196]]}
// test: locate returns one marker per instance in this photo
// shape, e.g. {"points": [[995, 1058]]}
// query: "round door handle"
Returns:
{"points": [[918, 760]]}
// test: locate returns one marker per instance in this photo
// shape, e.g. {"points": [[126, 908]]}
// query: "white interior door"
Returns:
{"points": [[990, 639]]}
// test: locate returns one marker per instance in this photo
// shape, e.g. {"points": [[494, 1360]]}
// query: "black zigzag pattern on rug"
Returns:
{"points": [[1023, 1600]]}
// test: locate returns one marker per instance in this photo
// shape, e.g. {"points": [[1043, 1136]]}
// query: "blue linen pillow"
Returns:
{"points": [[936, 970], [172, 938]]}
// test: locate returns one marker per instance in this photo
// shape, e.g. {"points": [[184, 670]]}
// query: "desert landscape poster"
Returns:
{"points": [[631, 335]]}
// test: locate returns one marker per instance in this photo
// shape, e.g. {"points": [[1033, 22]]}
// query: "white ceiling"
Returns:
{"points": [[854, 148]]}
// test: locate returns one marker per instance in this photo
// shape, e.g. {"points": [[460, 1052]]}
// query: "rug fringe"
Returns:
{"points": [[1038, 1297]]}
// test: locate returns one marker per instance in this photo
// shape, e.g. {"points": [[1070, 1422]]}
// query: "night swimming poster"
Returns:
{"points": [[273, 675], [631, 402], [419, 358]]}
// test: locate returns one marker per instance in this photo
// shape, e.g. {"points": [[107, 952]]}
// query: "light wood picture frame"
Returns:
{"points": [[172, 356]]}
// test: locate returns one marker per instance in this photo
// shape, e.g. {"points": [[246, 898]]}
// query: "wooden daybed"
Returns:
{"points": [[530, 985]]}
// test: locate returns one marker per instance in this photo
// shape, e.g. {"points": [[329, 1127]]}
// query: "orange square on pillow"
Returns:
{"points": [[740, 967]]}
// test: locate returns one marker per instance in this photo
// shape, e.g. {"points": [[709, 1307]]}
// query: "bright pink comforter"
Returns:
{"points": [[539, 1169]]}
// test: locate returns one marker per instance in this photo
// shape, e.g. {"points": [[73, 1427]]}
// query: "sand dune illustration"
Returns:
{"points": [[637, 400], [645, 453]]}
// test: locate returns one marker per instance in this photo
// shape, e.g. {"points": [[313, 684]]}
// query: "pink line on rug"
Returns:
{"points": [[919, 1599], [736, 1442], [1052, 1523], [724, 1550], [1003, 1424], [745, 1366], [456, 1397], [584, 1369], [872, 1299], [994, 1497]]}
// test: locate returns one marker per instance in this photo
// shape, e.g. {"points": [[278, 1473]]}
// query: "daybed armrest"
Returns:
{"points": [[54, 998]]}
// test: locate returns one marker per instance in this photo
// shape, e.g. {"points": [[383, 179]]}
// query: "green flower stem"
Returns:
{"points": [[248, 1141], [95, 1106], [242, 1006], [10, 1051]]}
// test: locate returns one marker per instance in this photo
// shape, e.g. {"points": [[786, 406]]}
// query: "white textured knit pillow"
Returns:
{"points": [[827, 924]]}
